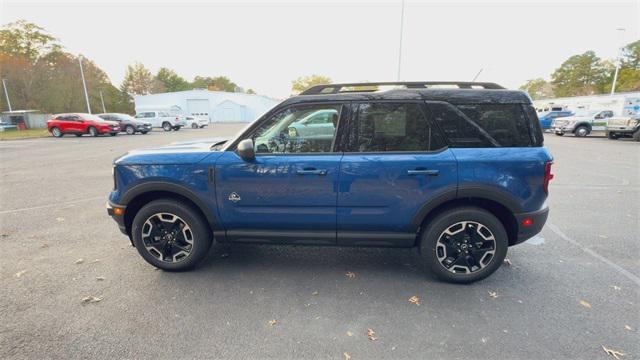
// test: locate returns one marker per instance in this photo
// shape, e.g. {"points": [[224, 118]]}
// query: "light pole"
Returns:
{"points": [[618, 60], [84, 84], [478, 74], [400, 46], [104, 110], [6, 93]]}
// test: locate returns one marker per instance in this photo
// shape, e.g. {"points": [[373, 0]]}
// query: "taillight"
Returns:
{"points": [[547, 176]]}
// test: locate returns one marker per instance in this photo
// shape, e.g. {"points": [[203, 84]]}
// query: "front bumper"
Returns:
{"points": [[621, 129], [118, 218], [562, 129], [538, 219], [143, 128]]}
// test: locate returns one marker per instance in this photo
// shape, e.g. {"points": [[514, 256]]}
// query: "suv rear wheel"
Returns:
{"points": [[166, 126], [464, 245], [171, 235]]}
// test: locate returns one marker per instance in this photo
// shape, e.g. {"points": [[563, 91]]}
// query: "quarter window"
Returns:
{"points": [[295, 130], [393, 127]]}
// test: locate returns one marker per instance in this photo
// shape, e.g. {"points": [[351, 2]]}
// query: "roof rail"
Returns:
{"points": [[338, 88]]}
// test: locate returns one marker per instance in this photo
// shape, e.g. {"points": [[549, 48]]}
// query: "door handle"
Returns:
{"points": [[423, 172], [311, 172]]}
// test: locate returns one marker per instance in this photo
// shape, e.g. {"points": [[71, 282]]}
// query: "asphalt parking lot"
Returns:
{"points": [[564, 294]]}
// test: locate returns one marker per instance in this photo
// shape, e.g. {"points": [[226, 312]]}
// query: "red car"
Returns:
{"points": [[79, 124]]}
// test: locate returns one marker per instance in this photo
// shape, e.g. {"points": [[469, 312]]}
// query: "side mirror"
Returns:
{"points": [[245, 150]]}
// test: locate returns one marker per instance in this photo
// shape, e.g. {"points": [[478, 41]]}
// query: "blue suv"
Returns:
{"points": [[456, 169]]}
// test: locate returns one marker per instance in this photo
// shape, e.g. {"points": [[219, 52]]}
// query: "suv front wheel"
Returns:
{"points": [[171, 235], [464, 245]]}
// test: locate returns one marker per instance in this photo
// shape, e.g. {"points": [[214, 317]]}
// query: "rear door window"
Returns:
{"points": [[387, 126]]}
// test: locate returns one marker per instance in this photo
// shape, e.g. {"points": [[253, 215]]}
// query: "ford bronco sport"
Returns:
{"points": [[460, 173]]}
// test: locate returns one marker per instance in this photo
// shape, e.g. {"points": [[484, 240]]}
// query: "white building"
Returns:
{"points": [[622, 104], [217, 106]]}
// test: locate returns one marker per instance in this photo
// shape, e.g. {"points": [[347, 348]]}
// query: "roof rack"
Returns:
{"points": [[372, 86]]}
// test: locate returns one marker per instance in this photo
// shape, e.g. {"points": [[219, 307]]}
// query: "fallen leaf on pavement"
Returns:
{"points": [[616, 354], [90, 299], [371, 335], [273, 322], [603, 236], [100, 278], [627, 327], [314, 293], [350, 275], [493, 294], [414, 300], [60, 219], [349, 333], [507, 262], [585, 304], [20, 273], [616, 287], [79, 261], [346, 356]]}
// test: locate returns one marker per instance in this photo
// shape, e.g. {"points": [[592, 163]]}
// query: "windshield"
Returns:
{"points": [[585, 112], [126, 117], [91, 117]]}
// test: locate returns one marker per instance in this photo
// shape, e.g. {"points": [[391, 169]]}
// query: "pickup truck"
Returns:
{"points": [[582, 123], [162, 119], [619, 127]]}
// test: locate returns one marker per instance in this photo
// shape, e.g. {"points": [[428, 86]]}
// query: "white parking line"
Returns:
{"points": [[52, 205], [617, 268]]}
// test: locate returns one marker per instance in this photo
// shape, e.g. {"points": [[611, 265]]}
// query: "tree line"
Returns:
{"points": [[41, 75], [587, 74]]}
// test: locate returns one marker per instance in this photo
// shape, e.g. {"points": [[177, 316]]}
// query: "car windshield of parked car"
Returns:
{"points": [[125, 117], [91, 117], [586, 113]]}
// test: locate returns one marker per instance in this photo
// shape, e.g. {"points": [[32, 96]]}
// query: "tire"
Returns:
{"points": [[560, 134], [92, 131], [636, 135], [113, 134], [55, 131], [176, 128], [581, 131], [437, 247], [130, 130], [612, 136], [143, 132], [166, 126], [194, 126], [168, 212]]}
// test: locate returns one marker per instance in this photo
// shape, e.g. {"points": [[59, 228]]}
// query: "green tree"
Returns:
{"points": [[218, 83], [629, 74], [251, 91], [138, 80], [304, 82], [538, 89], [172, 81], [583, 74], [22, 38]]}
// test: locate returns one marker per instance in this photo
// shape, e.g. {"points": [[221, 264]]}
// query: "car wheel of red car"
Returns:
{"points": [[56, 132], [130, 130], [93, 131]]}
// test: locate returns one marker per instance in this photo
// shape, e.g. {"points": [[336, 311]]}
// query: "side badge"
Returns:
{"points": [[234, 197]]}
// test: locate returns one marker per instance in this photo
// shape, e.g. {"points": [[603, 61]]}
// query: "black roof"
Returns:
{"points": [[466, 93]]}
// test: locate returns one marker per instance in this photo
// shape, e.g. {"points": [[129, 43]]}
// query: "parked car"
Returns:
{"points": [[162, 119], [620, 127], [546, 118], [196, 122], [79, 124], [320, 122], [582, 123], [128, 123], [409, 167]]}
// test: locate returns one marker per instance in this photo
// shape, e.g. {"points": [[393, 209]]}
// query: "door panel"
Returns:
{"points": [[397, 162], [278, 198]]}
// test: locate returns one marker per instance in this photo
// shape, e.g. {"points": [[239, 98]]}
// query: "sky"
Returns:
{"points": [[264, 45]]}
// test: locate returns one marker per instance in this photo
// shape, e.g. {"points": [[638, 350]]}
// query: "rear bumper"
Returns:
{"points": [[538, 219], [119, 219]]}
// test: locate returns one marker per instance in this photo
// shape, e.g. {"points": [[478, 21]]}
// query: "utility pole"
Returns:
{"points": [[6, 93], [400, 46], [86, 95], [618, 61], [478, 74], [104, 110]]}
